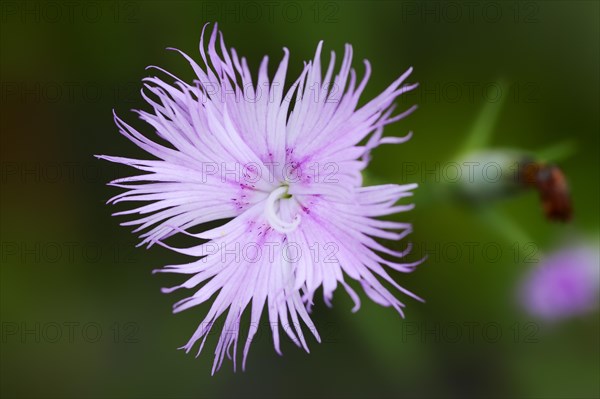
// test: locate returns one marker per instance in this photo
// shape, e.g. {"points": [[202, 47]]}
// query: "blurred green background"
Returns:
{"points": [[83, 317]]}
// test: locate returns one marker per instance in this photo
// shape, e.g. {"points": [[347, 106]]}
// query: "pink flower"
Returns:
{"points": [[284, 169], [566, 284]]}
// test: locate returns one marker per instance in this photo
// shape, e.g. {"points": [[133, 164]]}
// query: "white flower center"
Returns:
{"points": [[274, 220]]}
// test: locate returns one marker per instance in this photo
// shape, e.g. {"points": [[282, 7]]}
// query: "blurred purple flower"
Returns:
{"points": [[306, 149], [566, 284]]}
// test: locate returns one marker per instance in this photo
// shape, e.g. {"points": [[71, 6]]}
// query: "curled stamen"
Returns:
{"points": [[274, 220]]}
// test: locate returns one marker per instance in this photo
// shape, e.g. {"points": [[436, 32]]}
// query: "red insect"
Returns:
{"points": [[551, 183]]}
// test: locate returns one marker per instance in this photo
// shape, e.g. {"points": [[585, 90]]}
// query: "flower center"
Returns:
{"points": [[270, 211]]}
